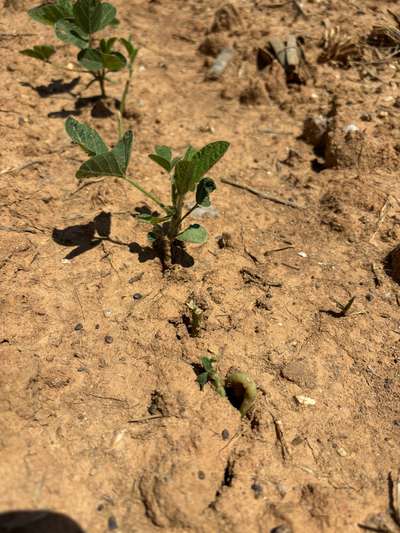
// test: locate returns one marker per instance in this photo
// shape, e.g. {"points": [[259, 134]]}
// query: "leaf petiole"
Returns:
{"points": [[148, 194]]}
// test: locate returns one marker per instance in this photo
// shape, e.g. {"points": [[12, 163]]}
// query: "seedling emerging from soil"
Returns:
{"points": [[76, 23], [196, 318], [186, 175], [239, 387]]}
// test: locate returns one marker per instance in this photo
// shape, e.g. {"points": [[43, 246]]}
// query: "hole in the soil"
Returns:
{"points": [[391, 264], [317, 165], [37, 522]]}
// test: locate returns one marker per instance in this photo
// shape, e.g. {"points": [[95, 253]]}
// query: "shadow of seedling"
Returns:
{"points": [[84, 237], [37, 522], [54, 87]]}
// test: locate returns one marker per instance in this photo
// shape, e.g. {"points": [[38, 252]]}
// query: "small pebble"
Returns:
{"points": [[396, 422], [258, 490], [108, 339], [302, 254], [201, 474], [78, 327], [137, 296], [112, 523], [225, 434], [107, 313], [369, 297]]}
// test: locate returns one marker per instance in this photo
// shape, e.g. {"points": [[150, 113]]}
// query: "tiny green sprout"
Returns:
{"points": [[211, 375], [76, 23], [186, 175], [195, 318], [238, 387]]}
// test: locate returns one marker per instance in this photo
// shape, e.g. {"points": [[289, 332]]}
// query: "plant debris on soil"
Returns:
{"points": [[103, 425]]}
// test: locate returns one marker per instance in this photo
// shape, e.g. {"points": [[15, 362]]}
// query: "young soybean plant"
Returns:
{"points": [[187, 175], [76, 23]]}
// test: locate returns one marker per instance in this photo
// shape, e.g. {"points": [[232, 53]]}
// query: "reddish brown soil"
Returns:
{"points": [[67, 396]]}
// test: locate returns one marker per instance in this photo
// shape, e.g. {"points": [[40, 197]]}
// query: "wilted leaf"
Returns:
{"points": [[194, 233], [112, 163], [70, 33], [42, 52], [87, 138], [205, 187], [93, 15]]}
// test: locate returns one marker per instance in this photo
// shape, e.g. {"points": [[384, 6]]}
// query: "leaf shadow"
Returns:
{"points": [[58, 86], [39, 521]]}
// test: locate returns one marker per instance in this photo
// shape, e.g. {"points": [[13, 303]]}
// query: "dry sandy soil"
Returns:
{"points": [[102, 419]]}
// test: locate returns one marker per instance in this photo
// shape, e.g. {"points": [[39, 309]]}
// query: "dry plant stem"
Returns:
{"points": [[260, 194]]}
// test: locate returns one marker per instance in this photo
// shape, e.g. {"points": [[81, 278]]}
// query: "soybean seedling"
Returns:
{"points": [[238, 387], [186, 176], [76, 23]]}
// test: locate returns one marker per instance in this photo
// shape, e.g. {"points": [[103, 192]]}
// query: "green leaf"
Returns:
{"points": [[194, 233], [164, 151], [93, 15], [205, 187], [114, 61], [202, 379], [87, 138], [208, 363], [106, 45], [91, 59], [166, 165], [50, 13], [190, 152], [132, 51], [42, 52], [206, 158], [70, 33], [183, 175], [112, 163], [150, 219]]}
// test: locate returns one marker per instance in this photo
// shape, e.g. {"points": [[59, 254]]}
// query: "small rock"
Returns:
{"points": [[314, 130], [201, 475], [341, 451], [284, 528], [112, 523], [78, 327], [107, 313], [225, 434], [108, 339], [257, 489], [137, 296], [302, 254], [305, 400]]}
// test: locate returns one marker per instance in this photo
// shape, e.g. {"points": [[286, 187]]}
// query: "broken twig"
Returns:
{"points": [[260, 194]]}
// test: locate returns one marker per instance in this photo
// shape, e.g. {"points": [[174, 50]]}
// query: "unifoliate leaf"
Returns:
{"points": [[70, 33], [113, 61], [42, 52], [106, 45], [194, 233], [50, 13], [150, 219], [132, 51], [206, 158], [87, 138], [204, 188], [91, 59], [112, 163], [202, 379], [93, 15]]}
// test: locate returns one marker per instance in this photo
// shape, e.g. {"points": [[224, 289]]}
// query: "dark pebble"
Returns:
{"points": [[137, 296], [282, 529], [257, 488], [369, 296], [97, 326], [225, 434], [201, 474], [397, 422], [78, 327], [112, 523], [100, 507], [108, 339]]}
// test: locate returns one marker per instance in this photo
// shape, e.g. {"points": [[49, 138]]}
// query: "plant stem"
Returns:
{"points": [[175, 223], [148, 194], [189, 212], [100, 79]]}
